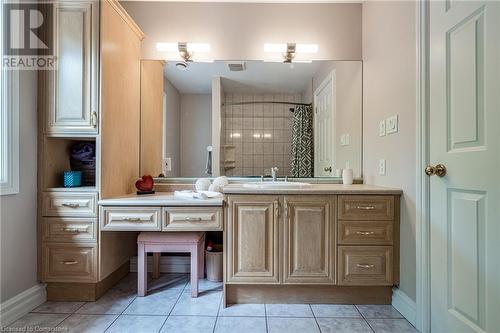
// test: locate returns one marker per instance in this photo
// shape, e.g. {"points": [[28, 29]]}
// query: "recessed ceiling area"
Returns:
{"points": [[258, 77]]}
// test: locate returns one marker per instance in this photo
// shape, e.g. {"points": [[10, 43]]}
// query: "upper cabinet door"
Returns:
{"points": [[309, 240], [252, 239], [73, 102]]}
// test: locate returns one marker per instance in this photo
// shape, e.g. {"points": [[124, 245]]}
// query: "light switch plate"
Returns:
{"points": [[391, 124], [167, 165], [347, 139], [342, 140], [381, 128], [381, 167]]}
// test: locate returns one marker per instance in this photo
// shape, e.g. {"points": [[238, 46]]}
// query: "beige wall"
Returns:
{"points": [[172, 126], [348, 113], [389, 55], [196, 133], [239, 30], [18, 212]]}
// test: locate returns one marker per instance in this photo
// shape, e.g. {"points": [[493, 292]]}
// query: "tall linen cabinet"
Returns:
{"points": [[94, 95]]}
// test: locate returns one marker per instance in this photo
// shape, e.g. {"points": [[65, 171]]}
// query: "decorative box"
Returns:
{"points": [[72, 178]]}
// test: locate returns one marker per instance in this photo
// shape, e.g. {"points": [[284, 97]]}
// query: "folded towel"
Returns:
{"points": [[203, 195]]}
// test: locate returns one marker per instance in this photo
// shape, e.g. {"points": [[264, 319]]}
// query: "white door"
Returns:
{"points": [[324, 130], [464, 136]]}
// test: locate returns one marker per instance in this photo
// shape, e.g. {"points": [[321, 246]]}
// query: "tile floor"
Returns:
{"points": [[171, 309]]}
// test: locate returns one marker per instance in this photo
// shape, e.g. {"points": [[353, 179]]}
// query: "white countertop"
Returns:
{"points": [[314, 189], [158, 199]]}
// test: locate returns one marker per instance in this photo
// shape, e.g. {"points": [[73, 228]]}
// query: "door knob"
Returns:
{"points": [[438, 170], [329, 169]]}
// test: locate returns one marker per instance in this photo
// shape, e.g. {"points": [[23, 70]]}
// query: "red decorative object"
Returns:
{"points": [[145, 185]]}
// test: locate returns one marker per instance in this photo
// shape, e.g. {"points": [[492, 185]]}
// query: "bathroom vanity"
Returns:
{"points": [[327, 243], [321, 243]]}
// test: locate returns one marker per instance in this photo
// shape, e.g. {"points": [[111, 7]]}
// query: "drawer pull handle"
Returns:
{"points": [[74, 230], [132, 219], [192, 219], [370, 207], [69, 262], [71, 205], [365, 233], [365, 266]]}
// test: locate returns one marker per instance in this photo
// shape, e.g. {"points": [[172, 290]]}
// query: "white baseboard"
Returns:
{"points": [[170, 264], [405, 305], [19, 305]]}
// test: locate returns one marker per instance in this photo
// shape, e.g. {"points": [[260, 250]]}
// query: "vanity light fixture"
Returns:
{"points": [[184, 51], [289, 50]]}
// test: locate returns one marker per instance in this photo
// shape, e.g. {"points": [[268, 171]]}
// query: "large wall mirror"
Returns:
{"points": [[241, 118]]}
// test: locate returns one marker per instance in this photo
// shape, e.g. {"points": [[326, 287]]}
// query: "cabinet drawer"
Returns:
{"points": [[69, 263], [69, 229], [193, 218], [366, 207], [365, 265], [130, 218], [365, 232], [70, 204]]}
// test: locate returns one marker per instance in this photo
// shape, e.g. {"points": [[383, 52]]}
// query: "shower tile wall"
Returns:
{"points": [[260, 133]]}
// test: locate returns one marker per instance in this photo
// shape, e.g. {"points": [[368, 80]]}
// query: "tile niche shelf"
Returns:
{"points": [[229, 157]]}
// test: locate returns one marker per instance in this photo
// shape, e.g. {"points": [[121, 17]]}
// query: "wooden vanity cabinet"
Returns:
{"points": [[335, 240], [252, 239], [309, 239], [71, 90]]}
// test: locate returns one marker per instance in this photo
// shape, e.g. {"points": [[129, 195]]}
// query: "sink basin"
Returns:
{"points": [[277, 185]]}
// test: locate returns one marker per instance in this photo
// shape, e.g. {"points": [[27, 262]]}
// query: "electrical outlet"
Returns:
{"points": [[391, 124], [381, 128], [167, 165], [381, 167]]}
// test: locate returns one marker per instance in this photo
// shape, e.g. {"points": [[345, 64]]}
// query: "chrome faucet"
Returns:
{"points": [[274, 173]]}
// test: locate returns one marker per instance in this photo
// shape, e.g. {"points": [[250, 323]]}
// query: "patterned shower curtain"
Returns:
{"points": [[302, 142]]}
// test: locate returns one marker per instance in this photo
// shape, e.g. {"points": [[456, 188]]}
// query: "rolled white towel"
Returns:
{"points": [[202, 184], [203, 195]]}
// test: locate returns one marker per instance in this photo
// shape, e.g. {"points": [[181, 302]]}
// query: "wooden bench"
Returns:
{"points": [[158, 242]]}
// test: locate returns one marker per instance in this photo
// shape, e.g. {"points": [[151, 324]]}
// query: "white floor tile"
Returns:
{"points": [[58, 307], [189, 324], [156, 303], [343, 325], [206, 304], [240, 325], [135, 324], [80, 323], [292, 325], [113, 302], [288, 310], [242, 310], [335, 310], [391, 326], [32, 321], [378, 311]]}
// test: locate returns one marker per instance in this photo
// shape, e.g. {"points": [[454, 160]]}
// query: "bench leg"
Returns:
{"points": [[156, 265], [194, 271], [201, 260], [142, 270]]}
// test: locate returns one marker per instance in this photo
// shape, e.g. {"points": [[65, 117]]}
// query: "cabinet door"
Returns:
{"points": [[309, 240], [73, 107], [252, 239]]}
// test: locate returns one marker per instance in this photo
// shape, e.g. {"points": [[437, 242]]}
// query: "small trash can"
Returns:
{"points": [[213, 262]]}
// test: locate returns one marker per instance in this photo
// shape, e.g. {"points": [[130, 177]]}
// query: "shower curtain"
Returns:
{"points": [[302, 159]]}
